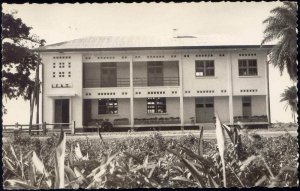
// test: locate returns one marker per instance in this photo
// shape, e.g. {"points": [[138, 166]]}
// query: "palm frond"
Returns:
{"points": [[290, 97], [282, 25], [291, 6]]}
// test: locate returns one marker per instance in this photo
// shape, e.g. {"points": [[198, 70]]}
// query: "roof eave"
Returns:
{"points": [[153, 48]]}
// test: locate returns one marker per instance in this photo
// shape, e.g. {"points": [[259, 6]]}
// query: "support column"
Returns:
{"points": [[181, 92], [131, 92], [42, 90], [268, 91], [230, 88]]}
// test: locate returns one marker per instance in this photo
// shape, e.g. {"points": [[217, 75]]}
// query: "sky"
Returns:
{"points": [[240, 21]]}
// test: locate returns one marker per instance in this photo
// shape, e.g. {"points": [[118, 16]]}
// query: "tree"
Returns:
{"points": [[282, 26], [18, 62], [290, 97]]}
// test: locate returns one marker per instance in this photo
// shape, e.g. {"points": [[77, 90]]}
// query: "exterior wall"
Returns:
{"points": [[123, 70], [123, 110], [140, 108], [192, 85], [189, 109], [140, 70], [170, 69], [92, 72], [221, 105], [258, 105], [74, 82], [217, 83], [237, 106], [249, 82]]}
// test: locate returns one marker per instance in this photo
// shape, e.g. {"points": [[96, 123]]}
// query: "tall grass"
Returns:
{"points": [[152, 162]]}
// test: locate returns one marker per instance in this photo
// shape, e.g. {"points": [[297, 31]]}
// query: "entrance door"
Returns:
{"points": [[205, 110], [62, 112], [87, 108], [247, 111], [155, 74], [108, 75]]}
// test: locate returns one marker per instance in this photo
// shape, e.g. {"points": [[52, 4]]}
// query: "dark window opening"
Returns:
{"points": [[107, 106], [156, 105], [248, 67]]}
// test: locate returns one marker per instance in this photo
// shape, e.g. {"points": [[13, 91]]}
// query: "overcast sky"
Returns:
{"points": [[63, 22]]}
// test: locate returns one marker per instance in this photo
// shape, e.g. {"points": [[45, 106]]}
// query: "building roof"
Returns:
{"points": [[149, 42]]}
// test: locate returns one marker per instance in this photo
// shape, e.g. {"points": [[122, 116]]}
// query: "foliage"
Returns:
{"points": [[290, 97], [152, 161], [18, 61], [282, 25]]}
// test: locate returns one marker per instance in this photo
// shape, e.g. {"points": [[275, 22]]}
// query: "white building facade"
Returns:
{"points": [[140, 82]]}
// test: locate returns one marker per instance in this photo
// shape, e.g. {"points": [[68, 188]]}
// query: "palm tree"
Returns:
{"points": [[290, 96], [282, 26]]}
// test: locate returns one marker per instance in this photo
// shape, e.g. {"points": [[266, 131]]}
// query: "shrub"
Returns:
{"points": [[153, 161]]}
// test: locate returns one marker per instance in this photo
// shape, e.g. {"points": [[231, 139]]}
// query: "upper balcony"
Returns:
{"points": [[113, 74], [117, 74], [155, 73]]}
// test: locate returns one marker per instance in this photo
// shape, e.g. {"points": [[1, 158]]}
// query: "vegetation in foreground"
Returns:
{"points": [[153, 161]]}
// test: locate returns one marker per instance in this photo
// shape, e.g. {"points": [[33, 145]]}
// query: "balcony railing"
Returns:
{"points": [[137, 82], [162, 81], [94, 83]]}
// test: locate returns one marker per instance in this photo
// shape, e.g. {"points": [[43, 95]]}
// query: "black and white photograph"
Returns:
{"points": [[149, 95]]}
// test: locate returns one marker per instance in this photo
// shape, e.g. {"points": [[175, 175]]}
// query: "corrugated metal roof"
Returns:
{"points": [[140, 42]]}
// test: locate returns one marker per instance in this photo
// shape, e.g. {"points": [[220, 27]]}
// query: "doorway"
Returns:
{"points": [[108, 75], [246, 101], [205, 110], [62, 112], [155, 74]]}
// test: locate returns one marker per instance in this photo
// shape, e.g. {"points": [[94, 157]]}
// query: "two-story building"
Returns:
{"points": [[153, 81]]}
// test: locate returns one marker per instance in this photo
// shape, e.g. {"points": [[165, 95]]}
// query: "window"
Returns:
{"points": [[107, 106], [205, 68], [247, 67], [246, 101], [156, 105]]}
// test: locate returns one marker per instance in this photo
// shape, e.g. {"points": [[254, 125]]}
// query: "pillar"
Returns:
{"points": [[132, 93], [230, 87], [181, 92]]}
